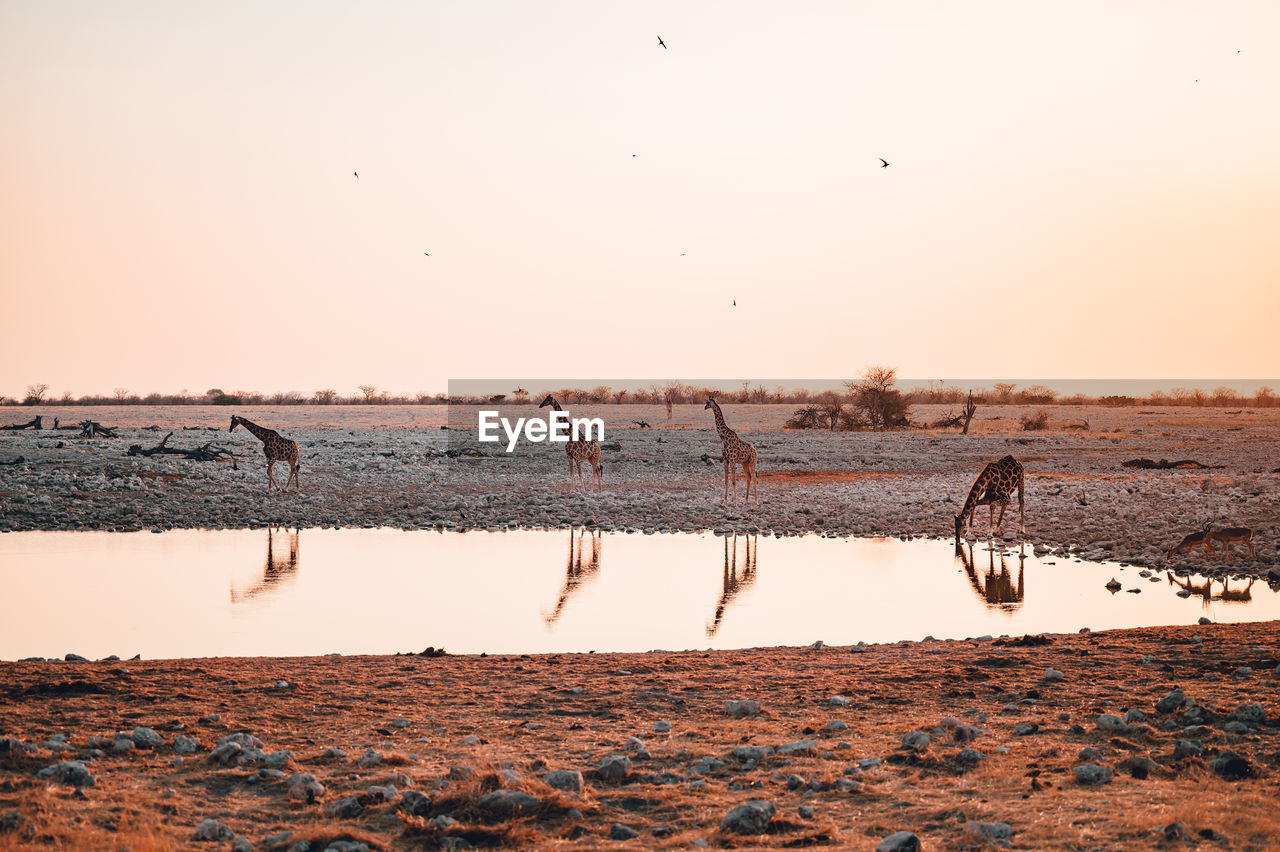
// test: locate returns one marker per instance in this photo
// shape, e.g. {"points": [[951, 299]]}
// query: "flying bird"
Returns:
{"points": [[735, 303], [661, 42], [357, 174], [884, 162], [427, 254]]}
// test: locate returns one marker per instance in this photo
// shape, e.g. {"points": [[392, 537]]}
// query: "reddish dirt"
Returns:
{"points": [[570, 711]]}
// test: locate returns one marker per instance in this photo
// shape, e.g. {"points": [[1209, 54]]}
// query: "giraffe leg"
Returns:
{"points": [[1000, 520], [726, 482], [991, 517], [293, 475], [271, 480], [1022, 511]]}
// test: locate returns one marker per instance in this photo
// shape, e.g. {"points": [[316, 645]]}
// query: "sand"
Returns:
{"points": [[366, 466]]}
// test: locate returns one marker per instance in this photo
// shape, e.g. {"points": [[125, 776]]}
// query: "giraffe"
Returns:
{"points": [[273, 571], [997, 588], [275, 448], [733, 581], [994, 485], [579, 451], [736, 452], [576, 573]]}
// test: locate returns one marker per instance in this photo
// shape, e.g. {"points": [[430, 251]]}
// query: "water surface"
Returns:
{"points": [[193, 593]]}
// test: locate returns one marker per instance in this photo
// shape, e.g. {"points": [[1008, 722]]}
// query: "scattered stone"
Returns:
{"points": [[915, 740], [415, 803], [211, 829], [1174, 832], [618, 831], [371, 757], [1232, 766], [245, 741], [1171, 702], [1139, 767], [799, 747], [71, 772], [899, 841], [997, 833], [795, 782], [836, 725], [333, 753], [225, 753], [304, 787], [614, 768], [1187, 748], [241, 844], [348, 807], [838, 701], [661, 727], [747, 752], [147, 738], [805, 811], [1092, 773], [1050, 674], [507, 803], [185, 745], [1026, 729], [567, 780], [742, 709], [751, 817], [970, 757]]}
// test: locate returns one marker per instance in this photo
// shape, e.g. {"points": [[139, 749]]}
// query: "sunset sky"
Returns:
{"points": [[1076, 190]]}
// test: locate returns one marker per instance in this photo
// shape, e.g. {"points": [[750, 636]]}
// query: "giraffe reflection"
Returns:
{"points": [[996, 587], [733, 581], [275, 569], [576, 572], [1205, 590]]}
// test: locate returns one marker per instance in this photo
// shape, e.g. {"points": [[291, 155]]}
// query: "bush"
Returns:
{"points": [[1035, 422]]}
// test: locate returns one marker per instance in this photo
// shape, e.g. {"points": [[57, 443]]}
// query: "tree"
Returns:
{"points": [[121, 394], [370, 393], [1265, 398], [327, 396], [1004, 393], [877, 399], [35, 394]]}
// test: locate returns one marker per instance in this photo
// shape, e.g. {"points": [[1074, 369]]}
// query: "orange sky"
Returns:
{"points": [[1064, 200]]}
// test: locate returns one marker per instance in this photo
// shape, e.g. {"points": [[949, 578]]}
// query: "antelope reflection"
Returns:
{"points": [[275, 570], [733, 581], [996, 587], [1205, 591], [576, 573]]}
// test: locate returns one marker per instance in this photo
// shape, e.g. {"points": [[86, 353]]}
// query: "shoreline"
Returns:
{"points": [[849, 745]]}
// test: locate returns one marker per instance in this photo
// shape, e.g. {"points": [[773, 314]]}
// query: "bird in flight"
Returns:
{"points": [[357, 174], [885, 163], [661, 42], [427, 254], [735, 303]]}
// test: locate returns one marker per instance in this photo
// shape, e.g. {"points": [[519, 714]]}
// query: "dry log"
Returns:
{"points": [[33, 423], [208, 452], [94, 429], [1165, 464]]}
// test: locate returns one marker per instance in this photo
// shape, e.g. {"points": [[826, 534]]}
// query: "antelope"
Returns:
{"points": [[1203, 539], [1233, 535]]}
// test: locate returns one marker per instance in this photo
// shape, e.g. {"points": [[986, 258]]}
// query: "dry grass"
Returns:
{"points": [[892, 689]]}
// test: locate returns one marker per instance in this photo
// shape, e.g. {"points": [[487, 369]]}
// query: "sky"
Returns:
{"points": [[1075, 190]]}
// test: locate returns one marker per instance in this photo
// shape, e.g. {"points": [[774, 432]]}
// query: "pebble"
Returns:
{"points": [[742, 708], [507, 803], [618, 831], [661, 727], [1092, 773], [211, 829], [614, 768], [567, 780], [899, 841], [751, 817]]}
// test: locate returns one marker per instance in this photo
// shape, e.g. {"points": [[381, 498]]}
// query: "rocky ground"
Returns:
{"points": [[1160, 738], [410, 467]]}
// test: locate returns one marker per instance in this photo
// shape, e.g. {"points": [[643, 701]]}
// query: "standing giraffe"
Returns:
{"points": [[994, 485], [579, 451], [275, 448], [736, 452]]}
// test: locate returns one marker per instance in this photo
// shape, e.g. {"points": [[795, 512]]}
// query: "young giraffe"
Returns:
{"points": [[579, 451], [275, 448], [994, 485], [736, 452]]}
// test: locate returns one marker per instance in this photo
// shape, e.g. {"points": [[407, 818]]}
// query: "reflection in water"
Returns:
{"points": [[576, 572], [1205, 590], [996, 587], [273, 571], [733, 583]]}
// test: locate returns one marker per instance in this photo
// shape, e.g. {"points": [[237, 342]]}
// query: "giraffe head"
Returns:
{"points": [[235, 421], [550, 400], [959, 528], [711, 403]]}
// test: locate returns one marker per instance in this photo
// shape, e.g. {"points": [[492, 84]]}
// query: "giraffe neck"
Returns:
{"points": [[722, 428], [555, 404], [258, 432], [974, 494]]}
